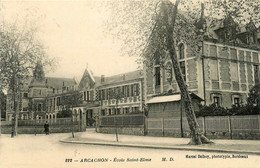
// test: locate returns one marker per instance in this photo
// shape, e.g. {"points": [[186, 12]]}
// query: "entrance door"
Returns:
{"points": [[89, 118]]}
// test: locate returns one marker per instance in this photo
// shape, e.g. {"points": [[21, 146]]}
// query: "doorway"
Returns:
{"points": [[89, 118]]}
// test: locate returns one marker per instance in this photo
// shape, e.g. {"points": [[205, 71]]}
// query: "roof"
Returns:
{"points": [[123, 77], [59, 82], [87, 80], [163, 99], [171, 98]]}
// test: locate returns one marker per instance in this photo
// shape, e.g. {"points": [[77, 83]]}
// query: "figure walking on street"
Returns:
{"points": [[46, 128]]}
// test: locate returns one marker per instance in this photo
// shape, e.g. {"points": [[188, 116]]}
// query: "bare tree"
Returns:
{"points": [[70, 100], [19, 52]]}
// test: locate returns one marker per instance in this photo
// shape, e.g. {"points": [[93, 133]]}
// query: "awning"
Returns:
{"points": [[163, 99]]}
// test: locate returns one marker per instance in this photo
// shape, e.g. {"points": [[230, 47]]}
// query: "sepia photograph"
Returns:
{"points": [[129, 83]]}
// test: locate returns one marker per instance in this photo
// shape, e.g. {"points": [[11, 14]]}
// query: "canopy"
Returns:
{"points": [[163, 99]]}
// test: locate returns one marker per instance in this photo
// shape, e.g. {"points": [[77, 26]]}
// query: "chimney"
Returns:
{"points": [[102, 78], [46, 81], [124, 77]]}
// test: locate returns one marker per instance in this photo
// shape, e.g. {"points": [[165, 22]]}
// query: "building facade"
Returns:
{"points": [[106, 98], [222, 73], [39, 96]]}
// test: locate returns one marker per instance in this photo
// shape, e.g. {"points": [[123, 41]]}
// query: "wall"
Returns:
{"points": [[39, 129], [228, 71], [193, 75], [56, 126], [128, 130], [225, 127]]}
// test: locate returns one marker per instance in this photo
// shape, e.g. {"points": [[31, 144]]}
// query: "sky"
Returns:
{"points": [[74, 34]]}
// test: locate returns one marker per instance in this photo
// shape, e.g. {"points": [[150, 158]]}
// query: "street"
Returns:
{"points": [[26, 151]]}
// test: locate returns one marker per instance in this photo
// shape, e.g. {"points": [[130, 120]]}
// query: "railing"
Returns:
{"points": [[131, 119]]}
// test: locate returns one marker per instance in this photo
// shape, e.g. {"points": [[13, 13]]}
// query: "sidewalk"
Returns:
{"points": [[227, 146]]}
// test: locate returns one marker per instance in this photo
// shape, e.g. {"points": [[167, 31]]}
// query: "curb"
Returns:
{"points": [[163, 147]]}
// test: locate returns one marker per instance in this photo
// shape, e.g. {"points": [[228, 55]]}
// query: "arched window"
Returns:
{"points": [[181, 51], [168, 72]]}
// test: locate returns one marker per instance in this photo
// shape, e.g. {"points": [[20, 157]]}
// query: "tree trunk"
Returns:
{"points": [[196, 137], [72, 130], [15, 121]]}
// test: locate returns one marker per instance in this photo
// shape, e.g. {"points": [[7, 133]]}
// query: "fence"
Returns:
{"points": [[123, 120], [32, 126], [241, 127], [58, 121]]}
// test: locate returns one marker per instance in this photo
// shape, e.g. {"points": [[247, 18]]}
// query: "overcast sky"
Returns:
{"points": [[73, 33]]}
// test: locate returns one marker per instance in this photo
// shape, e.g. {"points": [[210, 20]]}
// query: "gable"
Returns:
{"points": [[87, 81]]}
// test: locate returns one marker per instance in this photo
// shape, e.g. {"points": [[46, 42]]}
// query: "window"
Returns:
{"points": [[39, 107], [103, 95], [168, 72], [132, 90], [87, 95], [58, 101], [137, 90], [25, 108], [84, 96], [236, 101], [157, 58], [25, 95], [126, 110], [183, 69], [181, 51], [216, 98], [103, 112], [53, 90], [118, 111], [135, 109], [127, 91], [54, 99], [157, 76], [256, 73], [216, 101]]}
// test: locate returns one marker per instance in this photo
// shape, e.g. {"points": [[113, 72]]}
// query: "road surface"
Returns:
{"points": [[29, 151]]}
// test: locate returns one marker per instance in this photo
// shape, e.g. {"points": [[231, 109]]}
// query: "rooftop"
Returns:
{"points": [[120, 78]]}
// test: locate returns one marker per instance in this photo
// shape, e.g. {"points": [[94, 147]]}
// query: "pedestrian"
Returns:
{"points": [[46, 128]]}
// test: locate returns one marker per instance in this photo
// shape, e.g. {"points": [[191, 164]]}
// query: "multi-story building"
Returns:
{"points": [[121, 94], [222, 73], [104, 98], [39, 96]]}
